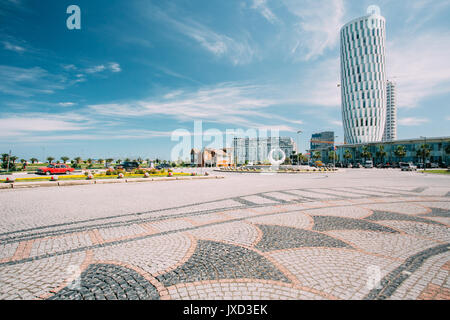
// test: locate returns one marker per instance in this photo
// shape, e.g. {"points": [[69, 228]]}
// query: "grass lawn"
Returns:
{"points": [[442, 171]]}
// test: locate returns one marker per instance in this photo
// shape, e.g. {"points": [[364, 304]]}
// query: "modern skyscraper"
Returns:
{"points": [[363, 79], [390, 129]]}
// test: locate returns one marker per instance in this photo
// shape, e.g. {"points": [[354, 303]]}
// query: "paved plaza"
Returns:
{"points": [[356, 234]]}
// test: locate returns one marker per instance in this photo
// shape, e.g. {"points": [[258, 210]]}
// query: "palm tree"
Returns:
{"points": [[381, 154], [332, 155], [118, 161], [64, 159], [400, 152], [317, 155], [100, 161], [50, 159], [78, 160], [424, 153], [347, 155], [33, 160], [89, 161], [109, 160], [366, 153], [127, 159]]}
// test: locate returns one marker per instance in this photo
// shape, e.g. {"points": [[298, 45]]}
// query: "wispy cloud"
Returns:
{"points": [[111, 66], [262, 7], [318, 26], [239, 52], [13, 47], [412, 121], [27, 82], [227, 103], [420, 65]]}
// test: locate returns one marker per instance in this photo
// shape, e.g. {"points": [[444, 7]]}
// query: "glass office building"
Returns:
{"points": [[363, 79], [439, 147]]}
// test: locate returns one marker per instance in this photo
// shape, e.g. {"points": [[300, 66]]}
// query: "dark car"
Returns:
{"points": [[163, 166], [128, 165]]}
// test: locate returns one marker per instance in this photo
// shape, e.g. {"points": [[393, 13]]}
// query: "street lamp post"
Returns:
{"points": [[298, 145], [423, 153]]}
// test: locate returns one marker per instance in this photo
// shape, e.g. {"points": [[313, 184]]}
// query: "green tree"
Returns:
{"points": [[381, 154], [317, 155], [109, 161], [118, 161], [50, 159], [447, 149], [64, 159], [33, 160], [347, 155], [366, 154], [400, 152], [424, 152], [332, 155]]}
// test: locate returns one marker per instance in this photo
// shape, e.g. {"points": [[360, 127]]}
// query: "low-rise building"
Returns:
{"points": [[439, 151], [211, 157], [256, 150]]}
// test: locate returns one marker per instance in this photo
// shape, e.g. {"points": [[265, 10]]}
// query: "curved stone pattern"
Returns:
{"points": [[295, 220], [393, 280], [111, 282], [380, 216], [324, 223], [215, 260], [153, 255], [347, 211], [405, 208], [280, 238], [438, 212], [424, 230], [33, 279], [242, 290], [341, 273], [239, 233], [387, 244]]}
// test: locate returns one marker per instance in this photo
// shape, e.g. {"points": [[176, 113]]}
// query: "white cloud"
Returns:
{"points": [[232, 103], [12, 47], [114, 67], [263, 9], [318, 26], [27, 82], [420, 65], [96, 69], [238, 51], [412, 121], [66, 104]]}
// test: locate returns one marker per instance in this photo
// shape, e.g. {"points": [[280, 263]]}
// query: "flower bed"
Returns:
{"points": [[98, 176]]}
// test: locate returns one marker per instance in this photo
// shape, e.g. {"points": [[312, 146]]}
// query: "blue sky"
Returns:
{"points": [[137, 70]]}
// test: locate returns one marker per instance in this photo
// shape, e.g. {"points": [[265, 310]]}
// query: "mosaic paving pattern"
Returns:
{"points": [[330, 243]]}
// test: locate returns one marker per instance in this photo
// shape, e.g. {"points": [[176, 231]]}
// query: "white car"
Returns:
{"points": [[407, 166]]}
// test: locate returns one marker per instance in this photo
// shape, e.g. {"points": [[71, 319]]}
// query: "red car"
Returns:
{"points": [[55, 169]]}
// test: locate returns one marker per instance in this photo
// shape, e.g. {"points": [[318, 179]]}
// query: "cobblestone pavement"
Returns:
{"points": [[330, 242]]}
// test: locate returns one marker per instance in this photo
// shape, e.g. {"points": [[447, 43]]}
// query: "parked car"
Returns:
{"points": [[55, 169], [357, 166], [128, 165], [368, 164], [407, 166], [163, 166]]}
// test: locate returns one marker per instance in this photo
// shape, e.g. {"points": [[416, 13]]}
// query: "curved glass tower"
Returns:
{"points": [[363, 79]]}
